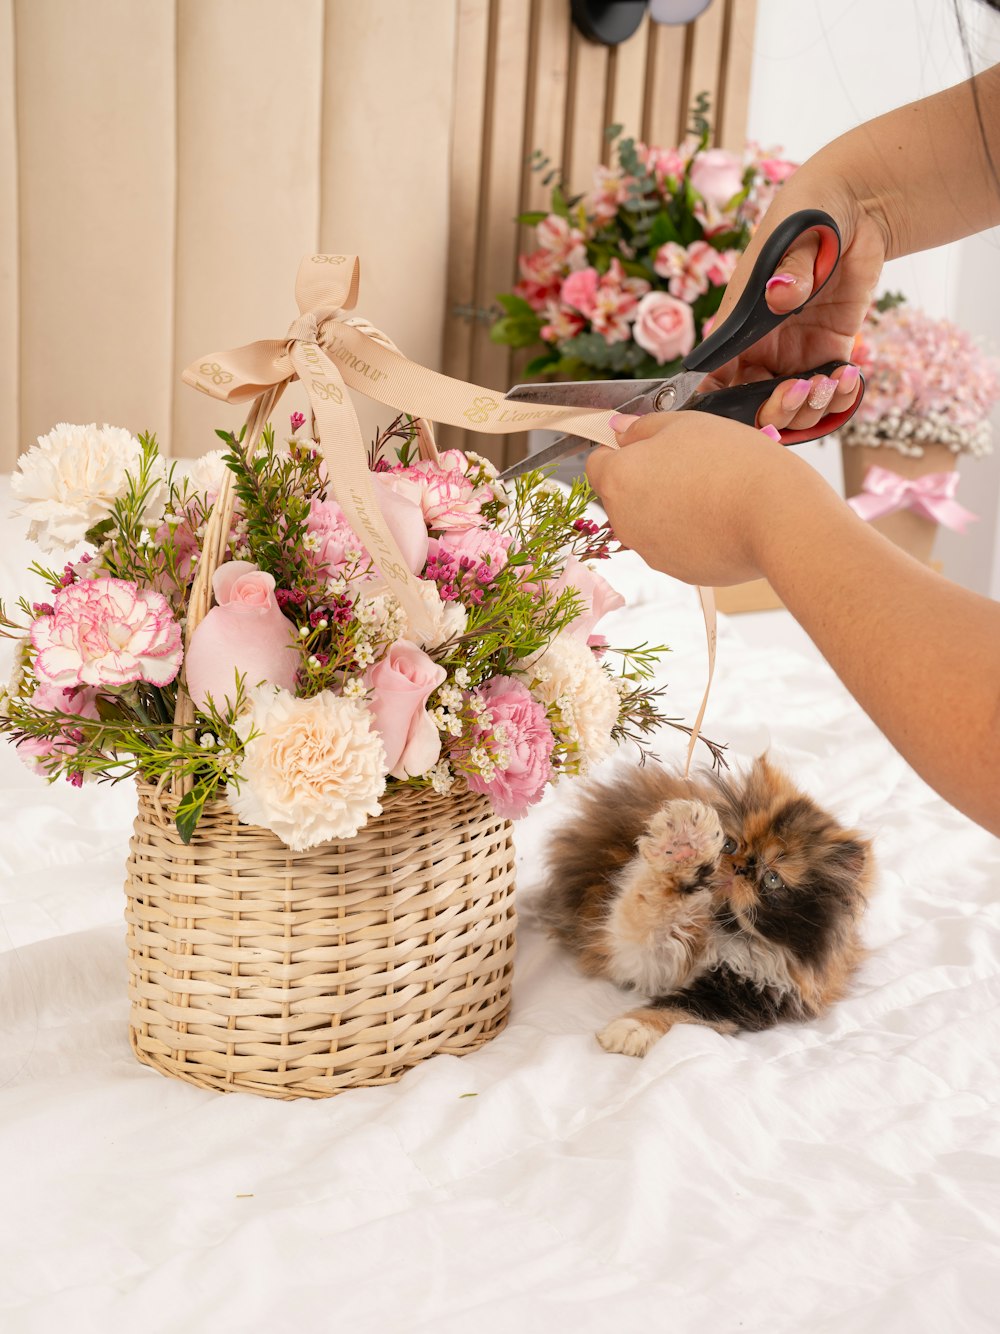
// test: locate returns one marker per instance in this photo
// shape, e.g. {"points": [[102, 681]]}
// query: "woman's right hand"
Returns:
{"points": [[828, 326]]}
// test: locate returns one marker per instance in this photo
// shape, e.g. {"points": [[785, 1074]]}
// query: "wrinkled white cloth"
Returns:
{"points": [[836, 1176]]}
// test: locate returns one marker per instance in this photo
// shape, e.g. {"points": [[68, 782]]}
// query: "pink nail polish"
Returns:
{"points": [[621, 421], [795, 394], [771, 432], [779, 280], [822, 391], [849, 377]]}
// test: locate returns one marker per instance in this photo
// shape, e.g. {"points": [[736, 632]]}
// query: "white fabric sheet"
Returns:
{"points": [[836, 1176]]}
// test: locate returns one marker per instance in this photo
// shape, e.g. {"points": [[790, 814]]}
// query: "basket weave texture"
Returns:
{"points": [[299, 974]]}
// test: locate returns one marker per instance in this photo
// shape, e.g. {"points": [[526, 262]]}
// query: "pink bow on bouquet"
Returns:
{"points": [[931, 496]]}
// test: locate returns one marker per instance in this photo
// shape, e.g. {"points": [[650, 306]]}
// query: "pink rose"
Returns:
{"points": [[401, 684], [664, 326], [107, 632], [594, 592], [519, 741], [399, 503], [580, 290], [717, 176], [245, 632]]}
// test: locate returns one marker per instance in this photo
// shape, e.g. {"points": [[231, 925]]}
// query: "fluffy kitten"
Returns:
{"points": [[729, 901]]}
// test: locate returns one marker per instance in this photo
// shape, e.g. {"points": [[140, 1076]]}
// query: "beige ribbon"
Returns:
{"points": [[328, 351]]}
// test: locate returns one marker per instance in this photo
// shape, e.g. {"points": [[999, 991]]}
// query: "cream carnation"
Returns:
{"points": [[567, 677], [71, 479], [205, 474], [314, 772]]}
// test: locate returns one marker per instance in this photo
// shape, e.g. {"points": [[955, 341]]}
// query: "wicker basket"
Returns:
{"points": [[299, 974]]}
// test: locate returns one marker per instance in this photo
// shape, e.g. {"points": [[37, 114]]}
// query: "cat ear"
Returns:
{"points": [[851, 854]]}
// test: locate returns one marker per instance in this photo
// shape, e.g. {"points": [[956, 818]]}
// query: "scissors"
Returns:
{"points": [[749, 322]]}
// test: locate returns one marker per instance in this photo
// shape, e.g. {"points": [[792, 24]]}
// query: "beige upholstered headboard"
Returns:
{"points": [[164, 164]]}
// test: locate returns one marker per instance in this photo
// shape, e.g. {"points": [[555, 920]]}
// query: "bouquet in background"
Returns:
{"points": [[312, 692], [628, 278], [927, 382]]}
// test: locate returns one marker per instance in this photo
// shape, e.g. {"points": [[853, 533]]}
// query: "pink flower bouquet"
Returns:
{"points": [[927, 382], [312, 691], [628, 278]]}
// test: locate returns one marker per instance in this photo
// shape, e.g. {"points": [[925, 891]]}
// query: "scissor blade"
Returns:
{"points": [[566, 444], [583, 393]]}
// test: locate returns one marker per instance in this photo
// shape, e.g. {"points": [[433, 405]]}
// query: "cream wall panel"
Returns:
{"points": [[95, 193], [9, 433], [387, 107], [249, 76]]}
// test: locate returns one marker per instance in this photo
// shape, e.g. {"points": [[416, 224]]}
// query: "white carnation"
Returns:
{"points": [[71, 479], [568, 677], [315, 771], [206, 474]]}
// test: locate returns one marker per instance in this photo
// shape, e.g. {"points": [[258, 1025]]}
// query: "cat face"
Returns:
{"points": [[789, 873]]}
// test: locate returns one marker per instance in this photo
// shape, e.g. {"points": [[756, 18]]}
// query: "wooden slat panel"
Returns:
{"points": [[583, 142], [548, 73], [96, 198], [664, 111], [626, 84], [704, 58], [248, 99], [10, 441], [503, 165], [737, 62], [383, 180]]}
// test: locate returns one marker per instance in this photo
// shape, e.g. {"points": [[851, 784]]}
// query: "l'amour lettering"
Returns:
{"points": [[377, 541], [339, 351]]}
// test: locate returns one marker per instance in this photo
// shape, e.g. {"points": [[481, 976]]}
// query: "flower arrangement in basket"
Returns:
{"points": [[927, 381], [929, 392], [403, 653], [628, 278], [312, 690]]}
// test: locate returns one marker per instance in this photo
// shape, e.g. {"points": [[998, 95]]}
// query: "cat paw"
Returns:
{"points": [[628, 1036], [682, 836]]}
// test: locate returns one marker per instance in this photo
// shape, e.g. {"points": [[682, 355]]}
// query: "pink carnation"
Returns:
{"points": [[479, 544], [447, 497], [38, 752], [107, 632], [246, 633], [519, 741]]}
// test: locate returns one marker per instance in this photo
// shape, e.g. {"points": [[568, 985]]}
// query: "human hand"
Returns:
{"points": [[826, 329], [693, 493]]}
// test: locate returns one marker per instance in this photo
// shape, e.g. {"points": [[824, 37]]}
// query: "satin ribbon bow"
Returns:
{"points": [[931, 496], [328, 353]]}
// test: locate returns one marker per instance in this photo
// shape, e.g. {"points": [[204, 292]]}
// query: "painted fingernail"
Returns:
{"points": [[780, 280], [796, 393], [771, 432], [823, 390], [849, 377], [621, 421]]}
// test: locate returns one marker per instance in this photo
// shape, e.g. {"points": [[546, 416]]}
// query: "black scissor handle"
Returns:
{"points": [[751, 318], [742, 402]]}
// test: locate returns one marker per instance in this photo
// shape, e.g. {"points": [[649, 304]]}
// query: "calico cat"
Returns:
{"points": [[729, 901]]}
